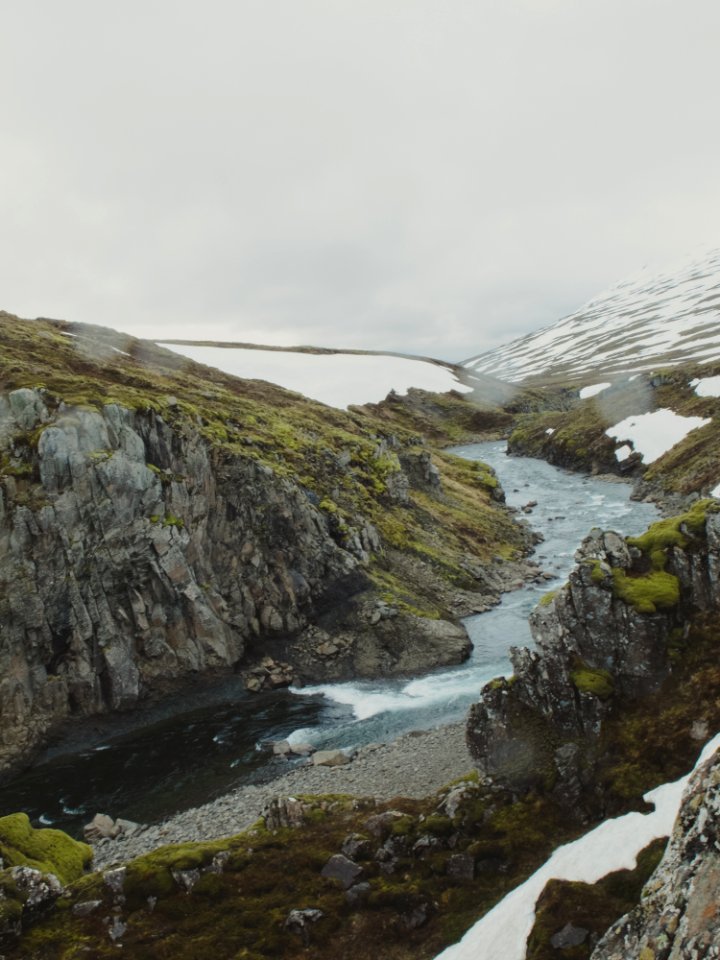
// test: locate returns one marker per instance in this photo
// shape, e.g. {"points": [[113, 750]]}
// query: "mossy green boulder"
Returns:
{"points": [[49, 851]]}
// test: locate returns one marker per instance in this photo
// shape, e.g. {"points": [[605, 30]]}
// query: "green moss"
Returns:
{"points": [[50, 851], [547, 598], [599, 683], [655, 591], [674, 531], [170, 520]]}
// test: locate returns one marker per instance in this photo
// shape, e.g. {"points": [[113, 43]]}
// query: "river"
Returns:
{"points": [[162, 761]]}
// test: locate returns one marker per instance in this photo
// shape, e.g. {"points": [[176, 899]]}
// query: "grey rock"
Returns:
{"points": [[357, 847], [678, 915], [284, 812], [357, 894], [299, 921], [461, 866], [100, 827], [330, 758], [569, 936], [38, 889], [85, 908], [340, 868]]}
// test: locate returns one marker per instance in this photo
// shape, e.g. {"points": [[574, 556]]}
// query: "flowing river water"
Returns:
{"points": [[174, 756]]}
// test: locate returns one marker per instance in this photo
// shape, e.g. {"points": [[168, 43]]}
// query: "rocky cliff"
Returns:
{"points": [[606, 641], [159, 519], [679, 913]]}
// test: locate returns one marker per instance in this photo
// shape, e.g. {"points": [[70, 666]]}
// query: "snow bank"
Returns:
{"points": [[593, 391], [613, 845], [338, 379], [653, 434], [707, 387]]}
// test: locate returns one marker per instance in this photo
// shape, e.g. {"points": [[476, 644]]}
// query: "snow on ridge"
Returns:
{"points": [[336, 379], [653, 434], [613, 845], [645, 317], [593, 391]]}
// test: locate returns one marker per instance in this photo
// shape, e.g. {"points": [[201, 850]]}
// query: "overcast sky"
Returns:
{"points": [[436, 176]]}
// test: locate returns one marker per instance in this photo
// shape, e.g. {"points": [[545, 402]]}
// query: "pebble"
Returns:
{"points": [[415, 765]]}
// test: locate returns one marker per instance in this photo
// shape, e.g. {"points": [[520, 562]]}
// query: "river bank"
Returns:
{"points": [[415, 765]]}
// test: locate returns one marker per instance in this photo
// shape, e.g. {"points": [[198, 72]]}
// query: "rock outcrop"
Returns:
{"points": [[679, 913], [608, 637], [160, 519]]}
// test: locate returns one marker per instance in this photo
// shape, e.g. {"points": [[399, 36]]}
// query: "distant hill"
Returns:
{"points": [[647, 321]]}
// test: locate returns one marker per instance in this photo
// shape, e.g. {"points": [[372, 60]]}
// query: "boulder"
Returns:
{"points": [[340, 868], [330, 758]]}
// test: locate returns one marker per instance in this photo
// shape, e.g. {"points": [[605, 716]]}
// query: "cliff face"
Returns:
{"points": [[612, 635], [159, 519], [679, 914], [142, 555]]}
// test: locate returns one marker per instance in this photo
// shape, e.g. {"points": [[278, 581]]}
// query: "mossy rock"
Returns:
{"points": [[655, 591], [598, 683], [674, 531], [49, 851]]}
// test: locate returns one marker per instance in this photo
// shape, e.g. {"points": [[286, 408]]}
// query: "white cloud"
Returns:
{"points": [[430, 176]]}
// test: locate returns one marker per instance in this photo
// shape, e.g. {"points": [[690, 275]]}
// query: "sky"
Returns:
{"points": [[430, 176]]}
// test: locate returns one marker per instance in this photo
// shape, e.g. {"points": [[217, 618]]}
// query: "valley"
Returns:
{"points": [[351, 578]]}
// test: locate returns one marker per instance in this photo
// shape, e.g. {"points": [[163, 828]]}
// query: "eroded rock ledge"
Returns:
{"points": [[610, 636], [134, 552]]}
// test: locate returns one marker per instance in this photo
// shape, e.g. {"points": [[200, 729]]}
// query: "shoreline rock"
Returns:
{"points": [[414, 765]]}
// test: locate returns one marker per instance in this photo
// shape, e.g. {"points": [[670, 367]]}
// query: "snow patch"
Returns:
{"points": [[707, 387], [337, 379], [550, 431], [623, 452], [613, 845], [653, 434], [715, 492], [594, 390]]}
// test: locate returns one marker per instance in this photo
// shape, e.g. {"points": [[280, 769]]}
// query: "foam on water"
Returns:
{"points": [[567, 506]]}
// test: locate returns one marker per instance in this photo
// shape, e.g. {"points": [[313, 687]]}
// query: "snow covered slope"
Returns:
{"points": [[647, 321], [335, 378]]}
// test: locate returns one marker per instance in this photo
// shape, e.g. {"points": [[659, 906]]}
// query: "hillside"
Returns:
{"points": [[643, 323], [159, 519]]}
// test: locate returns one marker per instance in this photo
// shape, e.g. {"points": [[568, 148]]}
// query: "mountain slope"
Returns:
{"points": [[159, 518], [642, 323]]}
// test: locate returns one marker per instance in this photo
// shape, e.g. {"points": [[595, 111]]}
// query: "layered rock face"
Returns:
{"points": [[607, 637], [679, 914], [131, 552]]}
